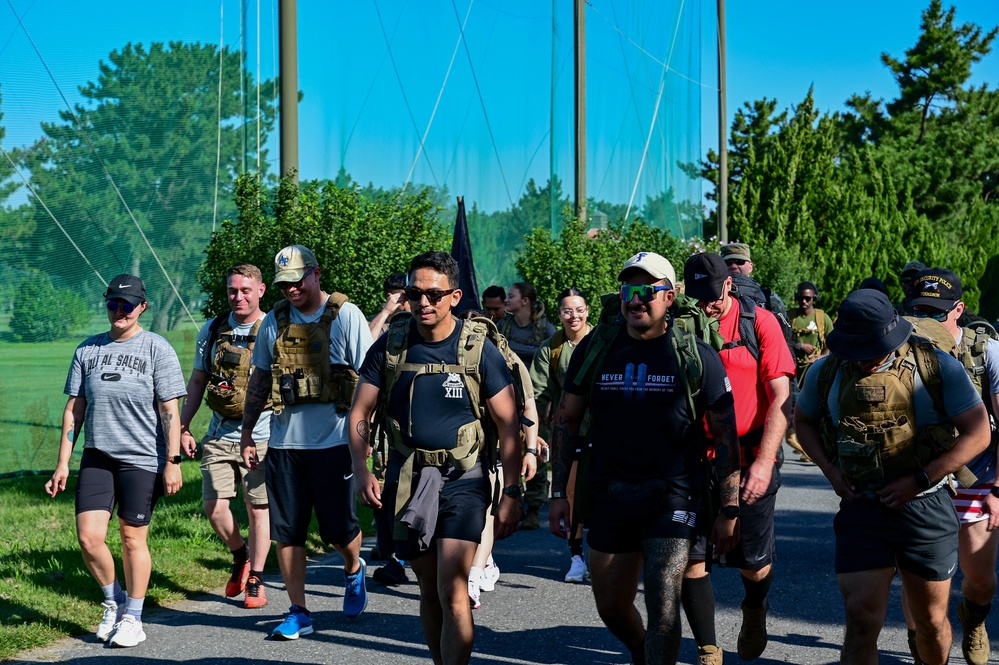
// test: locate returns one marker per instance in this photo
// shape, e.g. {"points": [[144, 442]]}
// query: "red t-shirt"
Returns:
{"points": [[749, 377]]}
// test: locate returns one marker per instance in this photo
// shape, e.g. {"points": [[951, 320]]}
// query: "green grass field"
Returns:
{"points": [[46, 592]]}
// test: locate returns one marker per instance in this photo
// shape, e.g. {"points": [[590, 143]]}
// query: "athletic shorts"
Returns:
{"points": [[757, 546], [970, 502], [623, 514], [104, 482], [920, 538], [300, 481], [223, 472], [461, 515]]}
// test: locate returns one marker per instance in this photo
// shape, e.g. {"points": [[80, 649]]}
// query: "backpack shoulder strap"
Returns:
{"points": [[282, 315], [820, 323], [747, 328], [395, 353], [928, 366], [555, 353], [602, 338], [213, 335], [333, 304], [688, 360]]}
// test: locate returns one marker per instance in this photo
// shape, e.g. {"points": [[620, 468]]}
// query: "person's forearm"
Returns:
{"points": [[358, 436], [565, 432], [257, 392], [723, 428], [170, 419], [510, 452], [778, 416], [192, 402], [531, 431], [72, 423]]}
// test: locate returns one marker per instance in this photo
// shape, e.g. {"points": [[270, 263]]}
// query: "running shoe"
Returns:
{"points": [[355, 593], [255, 595], [113, 612], [127, 632], [490, 575], [391, 573], [237, 581], [577, 570], [296, 624], [474, 578]]}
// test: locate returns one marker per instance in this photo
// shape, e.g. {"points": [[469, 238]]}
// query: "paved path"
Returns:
{"points": [[531, 617]]}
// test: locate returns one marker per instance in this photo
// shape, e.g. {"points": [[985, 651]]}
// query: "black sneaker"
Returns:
{"points": [[391, 573]]}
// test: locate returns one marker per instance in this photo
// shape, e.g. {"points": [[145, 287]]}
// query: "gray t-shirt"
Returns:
{"points": [[315, 425], [984, 466], [229, 429], [122, 383]]}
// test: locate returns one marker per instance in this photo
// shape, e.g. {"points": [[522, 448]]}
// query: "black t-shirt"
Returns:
{"points": [[440, 401], [641, 426]]}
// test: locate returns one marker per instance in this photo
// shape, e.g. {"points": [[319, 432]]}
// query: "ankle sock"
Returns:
{"points": [[241, 553], [576, 547], [114, 593], [756, 592], [259, 574], [133, 606], [698, 599]]}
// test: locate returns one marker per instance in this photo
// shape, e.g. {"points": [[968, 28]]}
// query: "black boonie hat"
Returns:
{"points": [[936, 287], [126, 287], [867, 327]]}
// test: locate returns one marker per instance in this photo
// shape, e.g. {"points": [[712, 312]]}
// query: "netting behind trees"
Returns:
{"points": [[123, 133]]}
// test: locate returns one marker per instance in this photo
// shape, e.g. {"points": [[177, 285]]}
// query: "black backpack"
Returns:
{"points": [[751, 295]]}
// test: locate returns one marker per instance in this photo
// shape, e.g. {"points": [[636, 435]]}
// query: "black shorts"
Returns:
{"points": [[300, 481], [104, 482], [920, 538], [623, 514], [461, 515], [757, 546]]}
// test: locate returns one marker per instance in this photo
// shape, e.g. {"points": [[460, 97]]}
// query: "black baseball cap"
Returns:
{"points": [[704, 276], [936, 287], [126, 287]]}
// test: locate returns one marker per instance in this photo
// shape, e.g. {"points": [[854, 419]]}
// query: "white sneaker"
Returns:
{"points": [[577, 570], [113, 612], [474, 578], [490, 575], [128, 632]]}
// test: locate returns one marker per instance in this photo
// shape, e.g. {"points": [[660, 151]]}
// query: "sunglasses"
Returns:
{"points": [[298, 284], [434, 296], [738, 262], [114, 306], [938, 315], [806, 298], [645, 292]]}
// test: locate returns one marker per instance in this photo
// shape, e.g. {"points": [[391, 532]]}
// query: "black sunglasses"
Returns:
{"points": [[738, 262], [298, 284], [433, 295], [114, 306]]}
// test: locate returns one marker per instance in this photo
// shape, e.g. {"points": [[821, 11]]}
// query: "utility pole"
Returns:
{"points": [[722, 131], [242, 80], [288, 27], [580, 71]]}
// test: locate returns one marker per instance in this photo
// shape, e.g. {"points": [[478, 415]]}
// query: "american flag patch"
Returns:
{"points": [[685, 517]]}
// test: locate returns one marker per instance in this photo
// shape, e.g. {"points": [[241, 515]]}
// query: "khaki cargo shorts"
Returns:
{"points": [[223, 471]]}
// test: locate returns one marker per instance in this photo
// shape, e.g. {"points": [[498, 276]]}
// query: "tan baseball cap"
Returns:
{"points": [[292, 262]]}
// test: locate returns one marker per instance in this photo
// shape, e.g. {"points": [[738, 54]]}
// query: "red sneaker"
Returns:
{"points": [[237, 581], [255, 596]]}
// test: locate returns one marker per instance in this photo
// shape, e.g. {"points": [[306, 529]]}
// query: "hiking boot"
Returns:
{"points": [[577, 570], [490, 575], [355, 592], [753, 634], [255, 596], [913, 648], [391, 573], [113, 612], [531, 520], [975, 642], [474, 577], [127, 632], [709, 655], [237, 581], [296, 624]]}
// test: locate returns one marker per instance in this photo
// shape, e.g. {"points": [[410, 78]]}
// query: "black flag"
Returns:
{"points": [[461, 250]]}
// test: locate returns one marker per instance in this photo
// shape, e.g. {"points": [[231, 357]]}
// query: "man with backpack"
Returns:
{"points": [[444, 394], [760, 368], [648, 386], [887, 417], [308, 350], [937, 298], [222, 369]]}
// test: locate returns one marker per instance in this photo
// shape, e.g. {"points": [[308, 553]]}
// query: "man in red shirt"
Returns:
{"points": [[760, 367]]}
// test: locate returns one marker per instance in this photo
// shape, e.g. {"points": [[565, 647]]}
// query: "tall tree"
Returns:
{"points": [[139, 160]]}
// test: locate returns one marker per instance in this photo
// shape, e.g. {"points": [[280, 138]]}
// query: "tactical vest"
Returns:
{"points": [[225, 393], [301, 371], [474, 438], [875, 440], [538, 333]]}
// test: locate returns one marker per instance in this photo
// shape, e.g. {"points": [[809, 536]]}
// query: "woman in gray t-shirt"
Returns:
{"points": [[124, 387]]}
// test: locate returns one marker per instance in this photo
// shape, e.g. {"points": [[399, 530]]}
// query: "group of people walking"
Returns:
{"points": [[700, 379]]}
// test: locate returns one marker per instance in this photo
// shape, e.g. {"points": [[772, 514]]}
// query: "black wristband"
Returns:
{"points": [[533, 451]]}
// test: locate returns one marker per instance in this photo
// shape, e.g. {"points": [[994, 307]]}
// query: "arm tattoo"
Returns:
{"points": [[727, 458], [167, 419], [364, 430], [256, 396]]}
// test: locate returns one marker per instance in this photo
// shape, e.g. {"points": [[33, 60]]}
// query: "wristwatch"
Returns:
{"points": [[513, 491], [994, 491], [922, 480], [730, 512], [533, 451], [175, 459], [563, 495]]}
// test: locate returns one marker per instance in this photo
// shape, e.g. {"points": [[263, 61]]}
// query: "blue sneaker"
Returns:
{"points": [[355, 593], [295, 624]]}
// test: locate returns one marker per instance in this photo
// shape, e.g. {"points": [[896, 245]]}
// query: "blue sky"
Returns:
{"points": [[367, 105]]}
